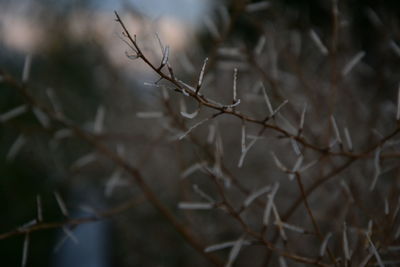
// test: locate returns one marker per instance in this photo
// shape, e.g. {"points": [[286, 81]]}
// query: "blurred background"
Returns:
{"points": [[76, 51], [80, 64]]}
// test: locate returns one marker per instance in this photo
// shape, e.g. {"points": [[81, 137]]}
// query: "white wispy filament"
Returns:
{"points": [[270, 203], [16, 147], [279, 223], [193, 168], [282, 262], [377, 256], [346, 249], [348, 138], [288, 124], [324, 244], [131, 56], [190, 115], [203, 194], [295, 146], [203, 68], [54, 101], [257, 6], [293, 228], [280, 107], [27, 68], [352, 63], [193, 127], [255, 195], [244, 152], [112, 182], [42, 117], [195, 205], [223, 246], [336, 130], [160, 43], [296, 167], [234, 252], [395, 48], [211, 133], [235, 85], [377, 167], [15, 112], [211, 27], [367, 258], [309, 165], [151, 84], [317, 41], [28, 224], [184, 113], [25, 250], [278, 163], [84, 160], [63, 133], [61, 204], [165, 56], [303, 114], [99, 120], [260, 45], [71, 235], [271, 111], [149, 115]]}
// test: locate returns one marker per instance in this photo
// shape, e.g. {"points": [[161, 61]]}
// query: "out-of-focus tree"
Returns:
{"points": [[272, 133]]}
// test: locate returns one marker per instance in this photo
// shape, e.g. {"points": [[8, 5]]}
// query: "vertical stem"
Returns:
{"points": [[314, 222]]}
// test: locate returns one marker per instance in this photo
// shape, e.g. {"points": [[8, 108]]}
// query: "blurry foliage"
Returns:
{"points": [[84, 77]]}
